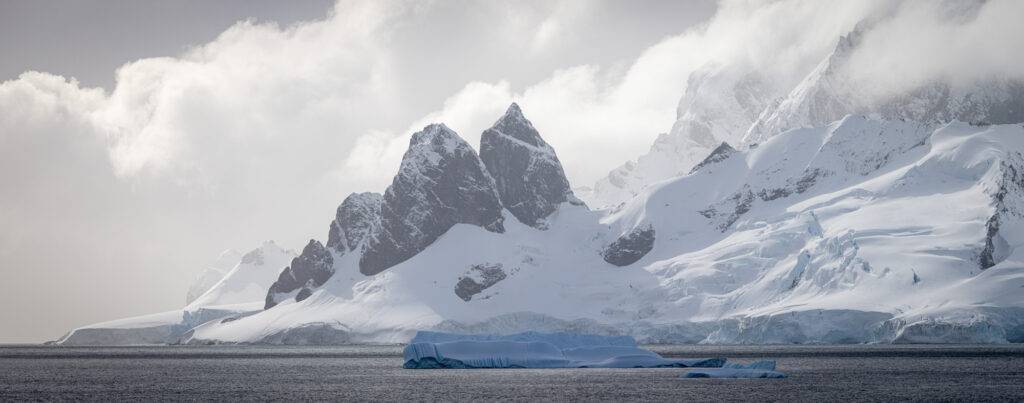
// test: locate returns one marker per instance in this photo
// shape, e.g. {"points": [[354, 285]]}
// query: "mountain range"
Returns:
{"points": [[814, 214]]}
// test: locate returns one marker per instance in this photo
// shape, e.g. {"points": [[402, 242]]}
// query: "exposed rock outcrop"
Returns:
{"points": [[526, 171], [724, 213], [357, 219], [1007, 191], [478, 278], [441, 182], [309, 270], [630, 248], [717, 155]]}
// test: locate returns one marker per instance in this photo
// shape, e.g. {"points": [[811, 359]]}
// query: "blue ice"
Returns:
{"points": [[537, 350], [759, 369]]}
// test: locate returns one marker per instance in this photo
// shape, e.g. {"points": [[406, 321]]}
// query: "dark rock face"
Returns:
{"points": [[629, 248], [1006, 197], [719, 154], [357, 218], [479, 278], [303, 294], [528, 175], [441, 182], [311, 269]]}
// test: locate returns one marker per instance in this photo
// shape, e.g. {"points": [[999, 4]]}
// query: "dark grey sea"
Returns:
{"points": [[816, 373]]}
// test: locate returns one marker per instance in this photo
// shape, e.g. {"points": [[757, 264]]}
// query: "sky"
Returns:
{"points": [[139, 139]]}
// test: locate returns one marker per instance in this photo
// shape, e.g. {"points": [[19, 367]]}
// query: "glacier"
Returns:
{"points": [[536, 350]]}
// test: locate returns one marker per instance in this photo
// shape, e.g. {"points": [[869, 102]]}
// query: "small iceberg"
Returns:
{"points": [[537, 350], [759, 369]]}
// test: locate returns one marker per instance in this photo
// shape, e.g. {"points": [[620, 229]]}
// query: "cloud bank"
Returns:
{"points": [[957, 42]]}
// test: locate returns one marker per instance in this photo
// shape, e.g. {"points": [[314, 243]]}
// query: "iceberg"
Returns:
{"points": [[537, 350], [759, 369]]}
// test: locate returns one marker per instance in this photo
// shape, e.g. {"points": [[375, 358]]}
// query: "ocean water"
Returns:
{"points": [[375, 373]]}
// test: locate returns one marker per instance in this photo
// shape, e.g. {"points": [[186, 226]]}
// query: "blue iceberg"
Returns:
{"points": [[759, 369], [537, 350]]}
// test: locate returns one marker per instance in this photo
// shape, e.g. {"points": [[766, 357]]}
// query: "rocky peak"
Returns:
{"points": [[357, 218], [441, 182], [529, 177], [515, 125]]}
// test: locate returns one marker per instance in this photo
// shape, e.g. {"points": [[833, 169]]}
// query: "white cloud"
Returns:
{"points": [[960, 42], [254, 90]]}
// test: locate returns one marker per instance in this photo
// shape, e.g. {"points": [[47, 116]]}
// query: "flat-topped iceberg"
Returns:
{"points": [[537, 350], [759, 369]]}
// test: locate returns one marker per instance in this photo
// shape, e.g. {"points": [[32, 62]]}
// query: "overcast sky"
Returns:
{"points": [[157, 133], [140, 138], [89, 39]]}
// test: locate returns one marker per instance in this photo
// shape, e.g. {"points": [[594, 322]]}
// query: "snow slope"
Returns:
{"points": [[240, 292], [249, 280], [212, 274], [720, 104]]}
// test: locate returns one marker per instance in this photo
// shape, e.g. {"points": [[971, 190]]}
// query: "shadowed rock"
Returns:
{"points": [[310, 269], [479, 278], [631, 247], [357, 218], [441, 182], [526, 171], [719, 154]]}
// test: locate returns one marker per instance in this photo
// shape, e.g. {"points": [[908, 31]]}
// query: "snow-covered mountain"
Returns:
{"points": [[241, 291], [212, 274], [739, 105], [860, 230], [720, 103], [247, 283], [828, 93]]}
